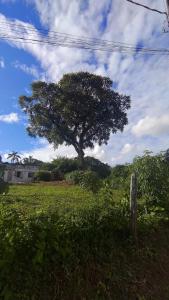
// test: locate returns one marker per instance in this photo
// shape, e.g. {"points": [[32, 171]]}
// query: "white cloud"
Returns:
{"points": [[32, 70], [127, 149], [154, 126], [10, 118], [47, 152], [2, 63]]}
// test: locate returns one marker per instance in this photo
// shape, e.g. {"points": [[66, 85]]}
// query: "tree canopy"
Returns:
{"points": [[81, 109]]}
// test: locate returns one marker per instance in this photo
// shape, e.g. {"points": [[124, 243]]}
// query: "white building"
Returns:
{"points": [[19, 173]]}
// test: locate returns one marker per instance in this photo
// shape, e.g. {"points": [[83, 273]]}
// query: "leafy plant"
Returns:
{"points": [[57, 175], [90, 181], [43, 176], [101, 169], [153, 179], [74, 177], [120, 177], [86, 179]]}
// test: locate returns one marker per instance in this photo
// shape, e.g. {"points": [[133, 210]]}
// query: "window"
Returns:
{"points": [[31, 175], [18, 174]]}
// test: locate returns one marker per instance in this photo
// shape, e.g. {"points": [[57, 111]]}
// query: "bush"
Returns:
{"points": [[74, 177], [86, 179], [57, 175], [43, 176], [37, 249], [67, 165], [95, 165], [153, 179], [120, 177], [90, 181], [4, 187]]}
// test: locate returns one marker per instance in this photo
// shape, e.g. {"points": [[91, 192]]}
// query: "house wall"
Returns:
{"points": [[11, 172]]}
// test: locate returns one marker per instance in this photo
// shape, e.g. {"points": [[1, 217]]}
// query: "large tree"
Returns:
{"points": [[81, 109]]}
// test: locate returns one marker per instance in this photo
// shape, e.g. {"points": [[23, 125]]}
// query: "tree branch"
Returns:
{"points": [[147, 7]]}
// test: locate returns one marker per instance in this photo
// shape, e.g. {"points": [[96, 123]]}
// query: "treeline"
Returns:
{"points": [[63, 168]]}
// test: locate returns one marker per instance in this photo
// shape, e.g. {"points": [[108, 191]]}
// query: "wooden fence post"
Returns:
{"points": [[133, 205]]}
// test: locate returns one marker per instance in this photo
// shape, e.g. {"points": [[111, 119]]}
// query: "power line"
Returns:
{"points": [[54, 34], [55, 39], [149, 8]]}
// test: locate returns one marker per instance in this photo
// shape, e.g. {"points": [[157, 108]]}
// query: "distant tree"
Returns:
{"points": [[14, 157], [28, 160], [32, 161], [37, 162], [81, 110], [166, 155]]}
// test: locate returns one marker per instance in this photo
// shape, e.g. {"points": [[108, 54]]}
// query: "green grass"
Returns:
{"points": [[32, 198]]}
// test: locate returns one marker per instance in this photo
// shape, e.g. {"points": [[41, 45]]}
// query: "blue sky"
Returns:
{"points": [[144, 78]]}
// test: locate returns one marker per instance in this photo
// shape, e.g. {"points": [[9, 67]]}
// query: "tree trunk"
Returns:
{"points": [[81, 158]]}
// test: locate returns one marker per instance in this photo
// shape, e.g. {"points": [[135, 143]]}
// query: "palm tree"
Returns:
{"points": [[14, 157]]}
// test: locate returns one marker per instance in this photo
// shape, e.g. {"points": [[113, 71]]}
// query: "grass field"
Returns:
{"points": [[61, 242], [35, 198]]}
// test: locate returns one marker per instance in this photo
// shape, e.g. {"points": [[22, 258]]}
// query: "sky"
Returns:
{"points": [[143, 77]]}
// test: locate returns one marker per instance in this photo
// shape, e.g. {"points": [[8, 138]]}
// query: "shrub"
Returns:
{"points": [[67, 165], [47, 166], [4, 187], [57, 175], [44, 246], [43, 176], [86, 179], [74, 177], [153, 178], [95, 165], [90, 181], [120, 177]]}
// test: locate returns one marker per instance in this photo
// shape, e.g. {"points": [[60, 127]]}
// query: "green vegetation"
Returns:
{"points": [[80, 110], [3, 187], [86, 179], [14, 156], [43, 176], [70, 169], [152, 176], [61, 242]]}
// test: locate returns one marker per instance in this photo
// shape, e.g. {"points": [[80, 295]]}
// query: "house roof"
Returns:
{"points": [[20, 167]]}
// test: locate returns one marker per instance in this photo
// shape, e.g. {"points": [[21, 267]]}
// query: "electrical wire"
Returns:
{"points": [[28, 35], [147, 7]]}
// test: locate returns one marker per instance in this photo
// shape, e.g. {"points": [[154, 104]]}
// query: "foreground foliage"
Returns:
{"points": [[59, 242], [152, 179]]}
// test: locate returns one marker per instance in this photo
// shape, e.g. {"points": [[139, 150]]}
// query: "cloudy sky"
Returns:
{"points": [[143, 77]]}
